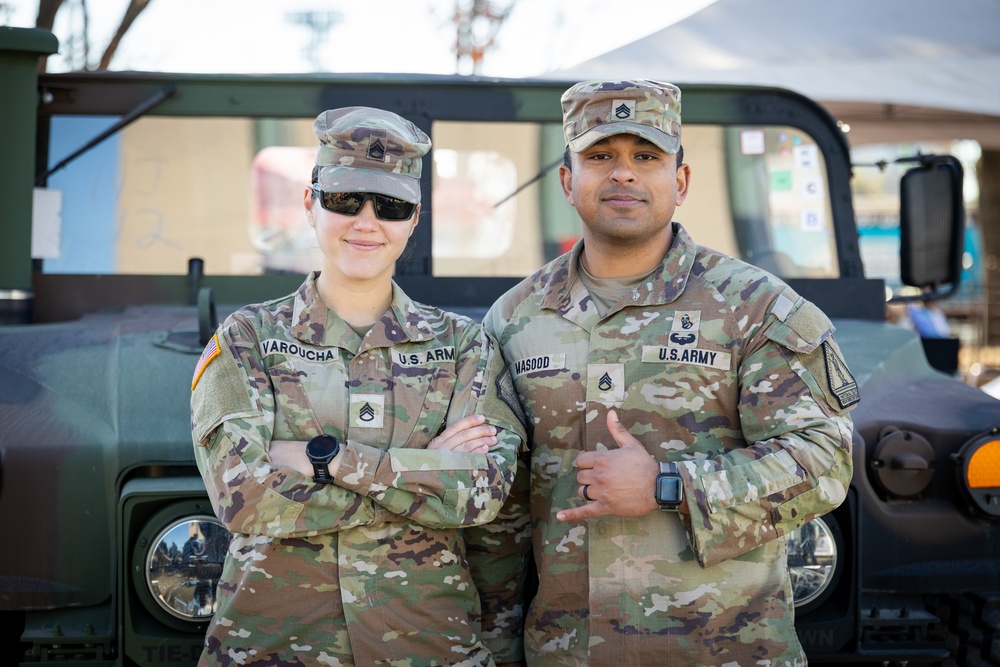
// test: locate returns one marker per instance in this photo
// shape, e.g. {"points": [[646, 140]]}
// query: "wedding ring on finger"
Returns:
{"points": [[584, 492]]}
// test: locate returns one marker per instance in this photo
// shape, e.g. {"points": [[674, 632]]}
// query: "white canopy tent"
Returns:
{"points": [[892, 69]]}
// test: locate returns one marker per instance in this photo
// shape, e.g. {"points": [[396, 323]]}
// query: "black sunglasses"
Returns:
{"points": [[349, 203]]}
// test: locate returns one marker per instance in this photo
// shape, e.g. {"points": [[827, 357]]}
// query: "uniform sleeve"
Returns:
{"points": [[439, 488], [795, 395], [499, 556], [232, 416]]}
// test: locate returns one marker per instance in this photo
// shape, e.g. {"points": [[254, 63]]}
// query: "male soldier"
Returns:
{"points": [[685, 411]]}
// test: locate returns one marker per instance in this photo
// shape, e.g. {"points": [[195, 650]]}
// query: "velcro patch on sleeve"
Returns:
{"points": [[802, 330], [222, 391], [508, 394]]}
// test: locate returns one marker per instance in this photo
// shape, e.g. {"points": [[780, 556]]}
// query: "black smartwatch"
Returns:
{"points": [[321, 451], [669, 487]]}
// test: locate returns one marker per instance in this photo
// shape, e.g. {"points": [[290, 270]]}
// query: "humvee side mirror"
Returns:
{"points": [[931, 227]]}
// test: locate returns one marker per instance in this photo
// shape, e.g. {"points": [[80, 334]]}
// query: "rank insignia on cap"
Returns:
{"points": [[376, 149], [210, 352], [623, 109]]}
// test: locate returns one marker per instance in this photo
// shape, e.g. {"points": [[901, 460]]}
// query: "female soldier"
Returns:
{"points": [[346, 434]]}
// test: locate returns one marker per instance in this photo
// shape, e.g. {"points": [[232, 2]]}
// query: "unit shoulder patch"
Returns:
{"points": [[832, 376], [842, 383]]}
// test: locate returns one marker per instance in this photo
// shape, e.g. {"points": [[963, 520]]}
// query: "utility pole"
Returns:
{"points": [[477, 23]]}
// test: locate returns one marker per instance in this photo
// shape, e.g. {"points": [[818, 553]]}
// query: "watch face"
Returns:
{"points": [[668, 489], [322, 447]]}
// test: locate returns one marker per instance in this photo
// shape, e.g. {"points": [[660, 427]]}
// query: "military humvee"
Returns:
{"points": [[139, 209]]}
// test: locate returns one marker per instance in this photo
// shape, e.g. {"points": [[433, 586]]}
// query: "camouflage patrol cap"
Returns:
{"points": [[593, 110], [363, 149]]}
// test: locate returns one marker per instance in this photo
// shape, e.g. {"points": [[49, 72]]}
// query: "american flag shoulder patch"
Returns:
{"points": [[210, 352]]}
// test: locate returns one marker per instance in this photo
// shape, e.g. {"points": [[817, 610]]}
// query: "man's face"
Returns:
{"points": [[625, 189]]}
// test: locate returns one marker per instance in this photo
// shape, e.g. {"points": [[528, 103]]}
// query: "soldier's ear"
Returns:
{"points": [[683, 182], [307, 202], [416, 220], [566, 180]]}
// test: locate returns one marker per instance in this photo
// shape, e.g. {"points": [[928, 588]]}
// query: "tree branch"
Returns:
{"points": [[135, 7]]}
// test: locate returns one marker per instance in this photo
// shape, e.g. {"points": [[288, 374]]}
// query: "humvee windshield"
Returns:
{"points": [[229, 190]]}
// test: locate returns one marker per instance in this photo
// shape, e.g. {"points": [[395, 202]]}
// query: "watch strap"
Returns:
{"points": [[321, 473]]}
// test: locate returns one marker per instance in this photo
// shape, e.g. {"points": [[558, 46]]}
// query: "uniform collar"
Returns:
{"points": [[314, 323], [665, 284]]}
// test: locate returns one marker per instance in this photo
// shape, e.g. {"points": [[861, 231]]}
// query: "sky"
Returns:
{"points": [[261, 36]]}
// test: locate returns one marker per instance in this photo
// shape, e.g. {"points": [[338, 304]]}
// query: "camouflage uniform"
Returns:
{"points": [[371, 569], [715, 365]]}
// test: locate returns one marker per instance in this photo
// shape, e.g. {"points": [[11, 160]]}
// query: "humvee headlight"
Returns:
{"points": [[812, 561], [183, 566], [978, 464]]}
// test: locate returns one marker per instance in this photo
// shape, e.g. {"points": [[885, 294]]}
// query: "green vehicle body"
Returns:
{"points": [[95, 446]]}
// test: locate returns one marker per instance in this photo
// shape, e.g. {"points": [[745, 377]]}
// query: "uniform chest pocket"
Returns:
{"points": [[307, 394], [543, 381], [423, 386], [677, 380]]}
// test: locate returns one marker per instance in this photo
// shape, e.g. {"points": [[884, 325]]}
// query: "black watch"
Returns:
{"points": [[321, 451], [669, 490]]}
